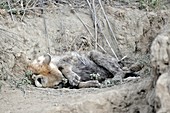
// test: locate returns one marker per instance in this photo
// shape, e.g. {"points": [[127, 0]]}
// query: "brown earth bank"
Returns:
{"points": [[63, 27], [116, 99]]}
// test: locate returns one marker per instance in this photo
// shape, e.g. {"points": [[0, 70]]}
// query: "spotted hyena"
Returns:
{"points": [[75, 70]]}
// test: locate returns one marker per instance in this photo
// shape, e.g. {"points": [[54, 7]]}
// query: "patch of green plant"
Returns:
{"points": [[24, 81], [4, 5], [27, 80], [28, 74], [150, 4]]}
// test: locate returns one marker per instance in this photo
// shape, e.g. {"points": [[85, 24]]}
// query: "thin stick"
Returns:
{"points": [[25, 10], [108, 43], [101, 48], [168, 51], [92, 37], [95, 24], [93, 15], [45, 26], [86, 27], [34, 3], [22, 4], [109, 28], [94, 18], [12, 17], [89, 5], [81, 21], [108, 21]]}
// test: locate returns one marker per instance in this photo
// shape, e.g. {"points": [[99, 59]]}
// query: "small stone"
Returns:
{"points": [[136, 67]]}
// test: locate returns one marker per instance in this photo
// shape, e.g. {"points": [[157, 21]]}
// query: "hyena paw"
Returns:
{"points": [[74, 80]]}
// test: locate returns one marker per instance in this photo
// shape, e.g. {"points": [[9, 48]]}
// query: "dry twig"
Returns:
{"points": [[9, 5], [108, 22], [45, 27], [94, 18], [86, 27], [109, 25], [108, 43], [81, 21], [95, 24], [25, 10]]}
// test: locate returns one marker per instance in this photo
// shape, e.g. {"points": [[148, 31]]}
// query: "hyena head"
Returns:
{"points": [[45, 73]]}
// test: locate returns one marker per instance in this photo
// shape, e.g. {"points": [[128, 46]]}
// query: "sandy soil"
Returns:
{"points": [[45, 100]]}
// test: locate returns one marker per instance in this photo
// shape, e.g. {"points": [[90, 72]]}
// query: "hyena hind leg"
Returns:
{"points": [[108, 62], [72, 77]]}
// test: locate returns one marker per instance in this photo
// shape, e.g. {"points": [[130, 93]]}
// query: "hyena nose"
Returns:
{"points": [[38, 80]]}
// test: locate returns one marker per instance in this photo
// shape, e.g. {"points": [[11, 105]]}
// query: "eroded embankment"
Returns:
{"points": [[23, 41]]}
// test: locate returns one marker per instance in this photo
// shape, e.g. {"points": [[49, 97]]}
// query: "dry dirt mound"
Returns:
{"points": [[121, 99], [160, 52]]}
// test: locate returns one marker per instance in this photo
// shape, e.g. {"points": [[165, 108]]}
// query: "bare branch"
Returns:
{"points": [[95, 24], [108, 22], [108, 43], [45, 27], [9, 5], [25, 10]]}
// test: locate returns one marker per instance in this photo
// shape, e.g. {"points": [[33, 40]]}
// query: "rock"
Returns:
{"points": [[136, 67], [163, 93], [160, 60], [159, 52]]}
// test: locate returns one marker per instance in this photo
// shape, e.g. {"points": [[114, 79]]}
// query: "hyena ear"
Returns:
{"points": [[47, 59]]}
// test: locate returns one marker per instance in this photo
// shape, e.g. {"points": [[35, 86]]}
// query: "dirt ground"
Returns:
{"points": [[71, 28], [38, 100]]}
